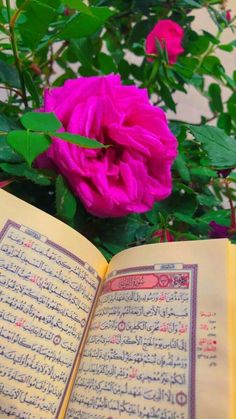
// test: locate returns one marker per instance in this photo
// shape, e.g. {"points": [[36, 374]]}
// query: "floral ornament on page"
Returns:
{"points": [[132, 174], [170, 36]]}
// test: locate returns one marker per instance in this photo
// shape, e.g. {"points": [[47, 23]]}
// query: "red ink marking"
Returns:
{"points": [[33, 279], [57, 340], [204, 326], [163, 328], [183, 328], [181, 398], [20, 323], [121, 326], [133, 374], [114, 339], [28, 244]]}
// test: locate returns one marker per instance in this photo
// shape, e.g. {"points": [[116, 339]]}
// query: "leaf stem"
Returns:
{"points": [[55, 56], [12, 90], [15, 53], [209, 50]]}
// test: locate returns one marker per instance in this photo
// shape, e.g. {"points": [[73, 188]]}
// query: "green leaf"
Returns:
{"points": [[185, 218], [9, 75], [167, 97], [106, 63], [192, 3], [40, 121], [79, 140], [7, 124], [7, 154], [232, 176], [81, 50], [184, 203], [224, 122], [203, 172], [139, 31], [220, 147], [228, 47], [215, 95], [32, 89], [221, 216], [211, 65], [65, 201], [131, 229], [23, 170], [39, 14], [198, 44], [231, 105], [78, 5], [182, 168], [208, 200], [186, 66], [28, 144], [84, 25]]}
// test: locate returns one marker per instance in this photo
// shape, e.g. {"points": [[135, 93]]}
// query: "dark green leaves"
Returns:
{"points": [[38, 16], [65, 201], [9, 75], [28, 144], [23, 170], [83, 25], [221, 148], [78, 5], [40, 121], [79, 140], [215, 95]]}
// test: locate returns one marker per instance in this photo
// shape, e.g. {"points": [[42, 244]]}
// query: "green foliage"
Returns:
{"points": [[65, 201], [98, 37], [9, 75], [79, 140], [38, 15], [37, 121], [28, 144], [220, 148]]}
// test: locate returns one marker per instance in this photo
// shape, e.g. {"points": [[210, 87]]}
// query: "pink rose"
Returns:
{"points": [[135, 171], [170, 36]]}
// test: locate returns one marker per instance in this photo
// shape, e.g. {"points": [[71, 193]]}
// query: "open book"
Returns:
{"points": [[152, 334]]}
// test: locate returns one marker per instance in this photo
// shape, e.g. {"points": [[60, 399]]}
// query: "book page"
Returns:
{"points": [[232, 328], [157, 346], [49, 278]]}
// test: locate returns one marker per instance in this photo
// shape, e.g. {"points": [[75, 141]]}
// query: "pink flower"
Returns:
{"points": [[170, 36], [164, 235], [135, 171], [228, 16]]}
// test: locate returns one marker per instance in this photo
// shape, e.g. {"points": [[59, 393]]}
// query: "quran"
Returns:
{"points": [[149, 335]]}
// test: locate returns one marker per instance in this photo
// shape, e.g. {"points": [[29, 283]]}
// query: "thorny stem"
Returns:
{"points": [[15, 51], [56, 55]]}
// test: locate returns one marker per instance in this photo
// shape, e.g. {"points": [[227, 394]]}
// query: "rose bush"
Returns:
{"points": [[131, 174], [59, 57], [170, 35]]}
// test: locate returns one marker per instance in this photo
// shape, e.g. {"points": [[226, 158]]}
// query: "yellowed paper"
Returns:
{"points": [[49, 277], [158, 343], [232, 327]]}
